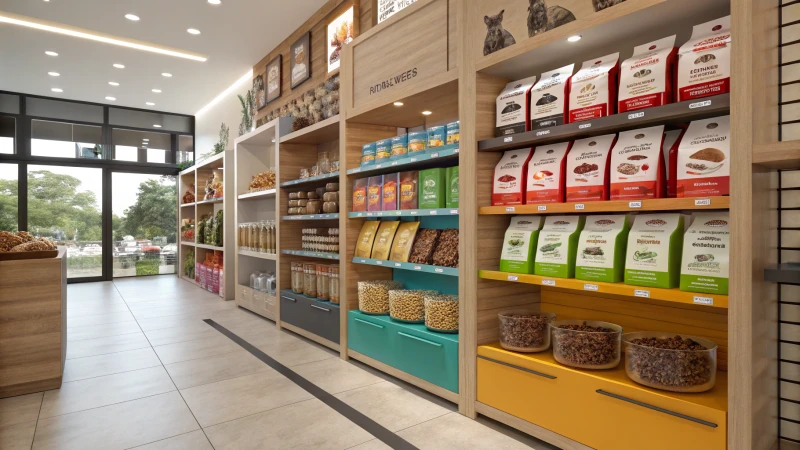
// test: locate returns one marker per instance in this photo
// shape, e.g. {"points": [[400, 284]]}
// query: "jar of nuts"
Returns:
{"points": [[310, 279], [441, 313], [408, 306], [373, 296], [669, 361], [322, 282], [525, 332], [586, 344]]}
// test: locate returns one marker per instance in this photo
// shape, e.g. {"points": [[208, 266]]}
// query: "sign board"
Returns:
{"points": [[388, 8]]}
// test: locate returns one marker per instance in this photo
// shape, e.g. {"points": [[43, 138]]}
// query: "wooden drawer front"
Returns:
{"points": [[426, 356], [320, 318], [369, 336], [244, 297]]}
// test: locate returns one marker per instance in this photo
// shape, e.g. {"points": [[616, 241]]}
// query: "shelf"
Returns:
{"points": [[333, 176], [787, 273], [290, 293], [258, 195], [187, 204], [188, 244], [571, 284], [208, 161], [269, 256], [778, 155], [264, 135], [211, 201], [308, 254], [209, 247], [449, 271], [312, 217], [321, 132], [419, 160], [405, 213], [674, 113], [657, 204]]}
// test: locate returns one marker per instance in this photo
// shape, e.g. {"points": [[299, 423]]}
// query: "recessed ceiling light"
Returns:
{"points": [[119, 66], [111, 98], [57, 90], [157, 91], [215, 2], [113, 83], [132, 17], [150, 104], [165, 74], [193, 31], [426, 113], [145, 140], [157, 126], [50, 53], [575, 38], [398, 103], [54, 74]]}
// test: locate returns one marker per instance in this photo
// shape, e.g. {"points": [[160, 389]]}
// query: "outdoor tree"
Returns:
{"points": [[154, 213], [58, 209], [8, 205]]}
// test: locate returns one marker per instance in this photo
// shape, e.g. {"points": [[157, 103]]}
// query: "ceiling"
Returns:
{"points": [[234, 36]]}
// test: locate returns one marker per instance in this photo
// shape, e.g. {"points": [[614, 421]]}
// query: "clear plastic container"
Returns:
{"points": [[680, 363], [408, 305], [324, 162], [310, 279], [333, 278], [441, 313], [586, 344], [323, 282], [253, 277], [373, 296], [524, 331], [297, 278]]}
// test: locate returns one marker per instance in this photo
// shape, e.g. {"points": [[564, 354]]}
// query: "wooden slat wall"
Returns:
{"points": [[791, 72]]}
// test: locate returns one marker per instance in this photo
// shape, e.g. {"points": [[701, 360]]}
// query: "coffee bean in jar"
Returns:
{"points": [[373, 296], [441, 313], [670, 362], [586, 344], [525, 332], [408, 305]]}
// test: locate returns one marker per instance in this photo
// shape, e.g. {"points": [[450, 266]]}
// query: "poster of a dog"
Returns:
{"points": [[507, 22]]}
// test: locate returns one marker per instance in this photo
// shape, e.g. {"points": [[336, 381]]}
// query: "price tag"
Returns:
{"points": [[510, 209], [455, 151], [702, 104], [433, 212], [380, 263], [369, 214], [398, 265], [413, 213], [641, 293], [703, 300], [417, 267], [434, 155], [412, 160], [579, 206], [548, 282], [590, 287], [438, 270], [637, 115], [508, 139], [634, 205], [542, 133], [379, 166], [542, 208], [398, 213], [453, 211], [702, 202], [513, 278], [394, 163], [363, 261], [584, 126], [356, 170]]}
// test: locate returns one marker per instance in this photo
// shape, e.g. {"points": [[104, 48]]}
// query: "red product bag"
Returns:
{"points": [[508, 186], [593, 90], [637, 165], [646, 78], [704, 65], [588, 164], [546, 174]]}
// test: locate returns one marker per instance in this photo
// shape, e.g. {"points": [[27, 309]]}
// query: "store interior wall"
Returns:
{"points": [[229, 111]]}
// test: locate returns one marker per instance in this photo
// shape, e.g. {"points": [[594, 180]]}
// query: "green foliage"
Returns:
{"points": [[248, 103], [185, 165], [8, 205], [188, 264], [147, 267], [84, 262], [224, 134], [154, 213], [56, 205]]}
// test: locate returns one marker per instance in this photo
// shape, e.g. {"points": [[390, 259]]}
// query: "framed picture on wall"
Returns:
{"points": [[274, 79], [259, 94], [300, 54], [340, 32]]}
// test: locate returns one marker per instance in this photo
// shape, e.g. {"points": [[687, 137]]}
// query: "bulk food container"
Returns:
{"points": [[672, 362], [586, 344]]}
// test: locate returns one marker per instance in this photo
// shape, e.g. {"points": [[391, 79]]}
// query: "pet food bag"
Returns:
{"points": [[375, 193], [508, 187], [549, 98], [704, 64], [383, 239], [588, 166], [557, 246], [672, 139], [645, 79], [601, 248], [519, 244], [513, 114], [593, 90], [703, 161], [637, 165], [706, 253], [365, 238], [546, 180], [653, 256]]}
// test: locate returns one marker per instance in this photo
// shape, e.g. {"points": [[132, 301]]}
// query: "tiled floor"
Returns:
{"points": [[144, 371]]}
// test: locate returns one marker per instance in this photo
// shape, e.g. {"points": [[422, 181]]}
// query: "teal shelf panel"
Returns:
{"points": [[321, 255], [449, 271], [312, 217], [415, 160], [328, 176], [404, 213]]}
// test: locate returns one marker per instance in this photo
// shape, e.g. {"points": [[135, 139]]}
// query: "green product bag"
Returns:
{"points": [[519, 244], [654, 251], [432, 187], [451, 200], [601, 248], [706, 254], [558, 246]]}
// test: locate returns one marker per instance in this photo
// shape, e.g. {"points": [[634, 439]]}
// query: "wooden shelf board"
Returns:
{"points": [[208, 161], [209, 247], [258, 195], [405, 213], [188, 244], [673, 113], [321, 132], [308, 254], [433, 157], [312, 217], [778, 155], [210, 202], [656, 204], [264, 135], [333, 176], [260, 255], [448, 271], [572, 284]]}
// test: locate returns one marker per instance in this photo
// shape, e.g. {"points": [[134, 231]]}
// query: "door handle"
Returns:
{"points": [[319, 307], [419, 339], [544, 375], [656, 408], [369, 323], [289, 298]]}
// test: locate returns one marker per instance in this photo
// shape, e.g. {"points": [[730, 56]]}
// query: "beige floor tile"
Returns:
{"points": [[85, 321], [119, 426], [392, 406], [305, 425], [165, 336], [104, 330], [198, 348], [19, 409], [375, 444], [196, 440], [96, 366], [243, 396], [162, 303], [157, 323], [106, 390], [178, 310], [295, 352], [73, 312], [201, 371], [106, 345], [93, 302], [334, 375], [17, 437], [456, 432]]}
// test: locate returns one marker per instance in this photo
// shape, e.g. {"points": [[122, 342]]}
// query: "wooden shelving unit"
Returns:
{"points": [[612, 206], [405, 213]]}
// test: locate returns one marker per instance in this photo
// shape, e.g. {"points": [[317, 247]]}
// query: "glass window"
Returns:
{"points": [[155, 147], [58, 109], [64, 204], [144, 217], [9, 206], [8, 131], [185, 149], [155, 155], [149, 120], [9, 103], [66, 140], [125, 153]]}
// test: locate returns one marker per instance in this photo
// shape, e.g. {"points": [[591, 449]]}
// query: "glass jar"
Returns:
{"points": [[273, 238], [253, 233], [262, 237], [310, 279], [324, 162], [261, 282], [322, 282], [240, 236], [333, 287], [297, 278], [253, 277]]}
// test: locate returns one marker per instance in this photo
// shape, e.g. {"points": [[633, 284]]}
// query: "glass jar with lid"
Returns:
{"points": [[297, 278], [322, 282], [240, 235], [253, 233], [273, 234], [333, 283], [310, 279], [263, 240], [324, 162]]}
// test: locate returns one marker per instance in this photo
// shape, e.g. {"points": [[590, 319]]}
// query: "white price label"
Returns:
{"points": [[584, 126], [413, 160], [433, 212], [510, 209], [508, 139], [356, 170], [380, 263], [394, 163], [438, 270], [417, 267], [548, 282], [434, 155], [702, 202], [369, 214], [453, 211], [455, 151], [542, 133], [641, 293], [398, 213], [398, 265], [634, 205], [590, 287], [703, 300], [513, 278], [379, 166], [637, 115], [413, 213], [363, 261], [542, 208], [702, 104], [579, 206]]}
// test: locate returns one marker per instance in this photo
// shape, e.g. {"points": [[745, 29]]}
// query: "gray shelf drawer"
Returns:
{"points": [[318, 317]]}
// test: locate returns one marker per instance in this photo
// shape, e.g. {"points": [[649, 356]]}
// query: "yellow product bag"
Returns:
{"points": [[384, 238], [365, 239], [403, 241]]}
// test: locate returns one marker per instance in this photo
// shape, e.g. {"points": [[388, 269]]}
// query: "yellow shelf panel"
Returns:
{"points": [[656, 204]]}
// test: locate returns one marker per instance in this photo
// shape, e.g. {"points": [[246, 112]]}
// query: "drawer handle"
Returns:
{"points": [[289, 298], [544, 375], [369, 323], [319, 307], [656, 408], [419, 339]]}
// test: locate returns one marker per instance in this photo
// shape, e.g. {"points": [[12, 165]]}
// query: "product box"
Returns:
{"points": [[374, 193], [588, 168], [546, 174], [417, 141], [704, 65], [703, 160], [451, 196], [368, 154], [383, 239], [360, 195], [558, 246], [593, 89], [549, 98], [399, 146], [409, 190], [432, 188], [453, 132], [601, 248], [653, 256], [513, 113], [672, 140], [646, 78], [637, 165], [383, 149], [391, 187], [706, 254], [519, 244], [508, 187], [404, 241], [365, 238], [437, 136]]}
